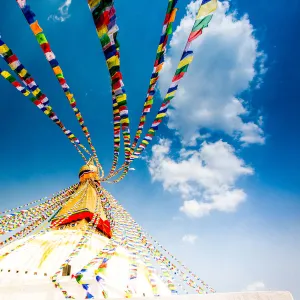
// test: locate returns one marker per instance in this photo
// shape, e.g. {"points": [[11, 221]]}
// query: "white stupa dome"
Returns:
{"points": [[26, 272]]}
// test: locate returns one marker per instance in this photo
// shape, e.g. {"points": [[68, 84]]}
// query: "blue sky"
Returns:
{"points": [[224, 195]]}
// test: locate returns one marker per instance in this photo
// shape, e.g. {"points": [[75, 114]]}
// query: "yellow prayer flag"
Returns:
{"points": [[23, 72], [153, 80], [93, 3], [159, 49], [5, 74], [185, 61], [47, 112], [172, 94], [207, 8], [113, 61], [101, 31], [36, 91], [27, 93], [121, 97], [126, 120], [3, 49], [161, 115]]}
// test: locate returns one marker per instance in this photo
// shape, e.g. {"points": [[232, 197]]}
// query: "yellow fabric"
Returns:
{"points": [[161, 115], [3, 49], [172, 94], [36, 91], [23, 73], [113, 61], [126, 120], [93, 3], [185, 62], [207, 8], [5, 74], [159, 49], [121, 98], [101, 31]]}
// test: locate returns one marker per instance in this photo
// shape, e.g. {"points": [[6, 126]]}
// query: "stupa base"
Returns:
{"points": [[231, 296]]}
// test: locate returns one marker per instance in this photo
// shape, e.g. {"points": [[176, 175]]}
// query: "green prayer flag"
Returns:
{"points": [[182, 69], [11, 79], [169, 29], [41, 38], [202, 23]]}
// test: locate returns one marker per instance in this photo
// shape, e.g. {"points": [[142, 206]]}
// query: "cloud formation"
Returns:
{"points": [[63, 12], [226, 63], [205, 178], [189, 238]]}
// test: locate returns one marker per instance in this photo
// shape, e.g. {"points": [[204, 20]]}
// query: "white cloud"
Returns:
{"points": [[226, 62], [189, 238], [252, 133], [63, 12], [256, 286], [131, 169], [205, 178]]}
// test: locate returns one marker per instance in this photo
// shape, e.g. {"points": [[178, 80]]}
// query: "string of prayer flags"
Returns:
{"points": [[200, 23], [44, 107], [38, 98], [158, 66], [117, 134], [52, 59], [104, 16], [188, 272], [140, 238], [68, 190], [206, 8], [14, 221], [30, 229], [198, 27]]}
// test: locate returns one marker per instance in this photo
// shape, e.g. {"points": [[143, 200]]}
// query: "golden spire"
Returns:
{"points": [[82, 205]]}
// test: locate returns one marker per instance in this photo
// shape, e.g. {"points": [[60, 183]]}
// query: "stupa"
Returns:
{"points": [[81, 243], [92, 248], [26, 272]]}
